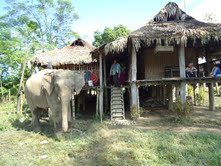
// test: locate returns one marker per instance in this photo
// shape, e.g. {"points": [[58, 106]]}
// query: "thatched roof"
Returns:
{"points": [[170, 26], [76, 53]]}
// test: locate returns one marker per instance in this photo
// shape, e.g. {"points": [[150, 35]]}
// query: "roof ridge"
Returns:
{"points": [[171, 12]]}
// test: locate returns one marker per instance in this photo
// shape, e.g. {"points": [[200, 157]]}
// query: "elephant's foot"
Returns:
{"points": [[37, 129]]}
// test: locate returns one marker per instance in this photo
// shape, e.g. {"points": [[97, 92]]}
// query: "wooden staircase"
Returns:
{"points": [[117, 104]]}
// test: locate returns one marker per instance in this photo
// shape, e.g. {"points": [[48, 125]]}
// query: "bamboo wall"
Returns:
{"points": [[91, 66], [155, 64]]}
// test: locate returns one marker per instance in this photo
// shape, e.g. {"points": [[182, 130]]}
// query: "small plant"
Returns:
{"points": [[182, 109], [134, 113], [190, 91], [201, 96]]}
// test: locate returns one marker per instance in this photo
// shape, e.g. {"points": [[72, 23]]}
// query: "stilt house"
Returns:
{"points": [[156, 56]]}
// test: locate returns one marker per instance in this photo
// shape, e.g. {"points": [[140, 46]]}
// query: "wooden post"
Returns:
{"points": [[182, 67], [170, 104], [211, 97], [164, 94], [97, 102], [133, 87], [105, 87], [173, 91], [101, 87], [210, 85]]}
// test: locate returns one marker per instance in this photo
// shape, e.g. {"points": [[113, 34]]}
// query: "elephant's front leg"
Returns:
{"points": [[57, 120], [35, 120]]}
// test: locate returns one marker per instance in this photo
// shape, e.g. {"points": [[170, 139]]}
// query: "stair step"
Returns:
{"points": [[117, 106], [116, 102], [116, 95], [117, 115], [116, 112], [117, 98], [116, 90]]}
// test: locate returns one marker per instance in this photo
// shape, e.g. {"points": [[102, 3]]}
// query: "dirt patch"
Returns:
{"points": [[163, 120]]}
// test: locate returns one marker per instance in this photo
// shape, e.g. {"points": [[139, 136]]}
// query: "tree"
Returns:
{"points": [[31, 26], [48, 22], [109, 35]]}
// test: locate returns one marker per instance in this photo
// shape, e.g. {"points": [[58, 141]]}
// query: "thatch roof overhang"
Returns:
{"points": [[117, 46], [79, 52], [169, 27], [172, 33]]}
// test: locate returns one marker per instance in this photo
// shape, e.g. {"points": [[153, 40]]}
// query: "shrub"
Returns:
{"points": [[190, 91], [134, 113], [182, 109], [201, 96]]}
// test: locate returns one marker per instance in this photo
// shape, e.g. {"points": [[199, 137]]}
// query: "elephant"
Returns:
{"points": [[52, 89]]}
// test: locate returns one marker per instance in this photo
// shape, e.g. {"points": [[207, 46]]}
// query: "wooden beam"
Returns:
{"points": [[134, 91], [182, 67], [101, 87]]}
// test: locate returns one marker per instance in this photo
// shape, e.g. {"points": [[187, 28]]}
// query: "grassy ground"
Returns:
{"points": [[156, 139]]}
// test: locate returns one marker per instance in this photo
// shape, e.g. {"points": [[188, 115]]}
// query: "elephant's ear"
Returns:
{"points": [[47, 83]]}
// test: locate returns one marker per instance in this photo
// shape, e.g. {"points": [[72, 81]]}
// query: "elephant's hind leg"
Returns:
{"points": [[35, 120]]}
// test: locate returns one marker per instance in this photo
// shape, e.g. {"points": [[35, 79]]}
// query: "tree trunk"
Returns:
{"points": [[19, 104]]}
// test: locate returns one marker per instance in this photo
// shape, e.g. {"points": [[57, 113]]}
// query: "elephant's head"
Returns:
{"points": [[63, 83]]}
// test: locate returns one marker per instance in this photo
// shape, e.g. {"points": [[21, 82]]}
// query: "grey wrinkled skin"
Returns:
{"points": [[52, 89]]}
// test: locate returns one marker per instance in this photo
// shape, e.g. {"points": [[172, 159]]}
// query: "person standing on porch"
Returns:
{"points": [[115, 73]]}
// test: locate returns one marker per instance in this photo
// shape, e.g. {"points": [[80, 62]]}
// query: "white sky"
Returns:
{"points": [[195, 8]]}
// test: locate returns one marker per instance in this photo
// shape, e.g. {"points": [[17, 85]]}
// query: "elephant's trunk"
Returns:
{"points": [[65, 106]]}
